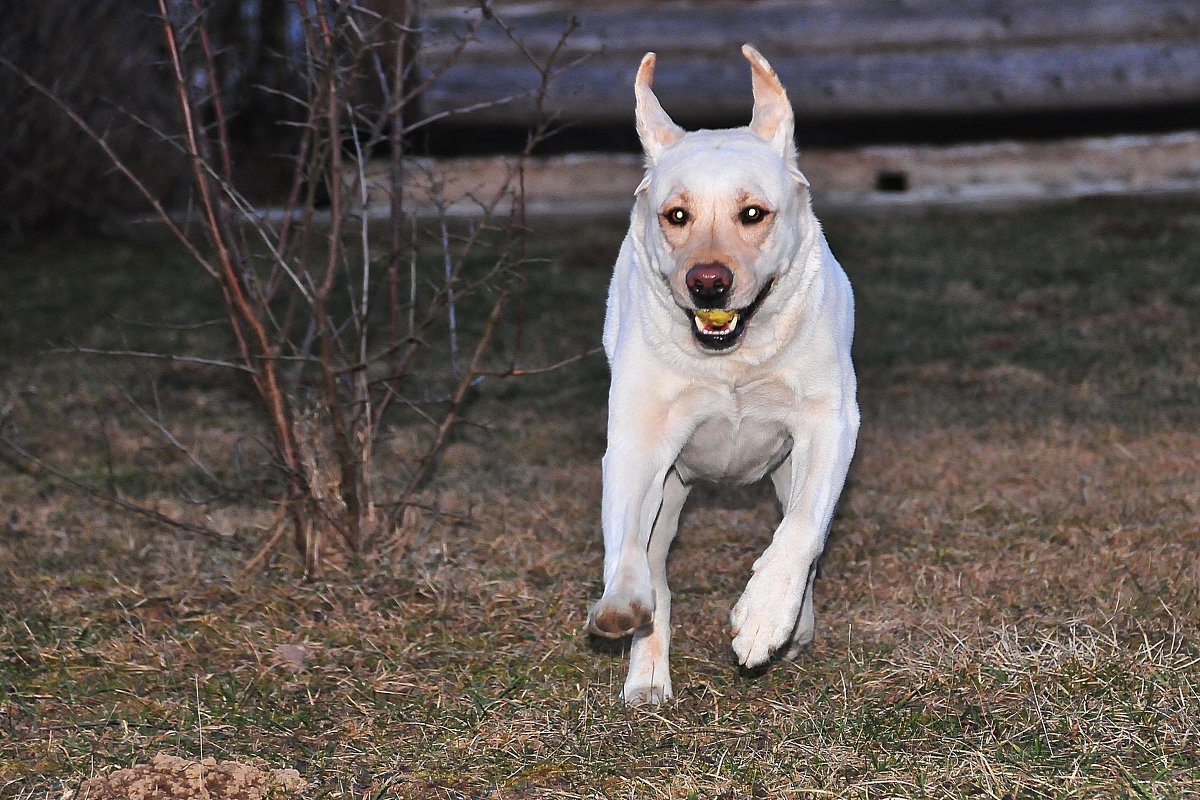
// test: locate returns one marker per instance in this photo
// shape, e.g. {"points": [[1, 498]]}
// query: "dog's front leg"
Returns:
{"points": [[773, 606], [632, 496], [648, 422]]}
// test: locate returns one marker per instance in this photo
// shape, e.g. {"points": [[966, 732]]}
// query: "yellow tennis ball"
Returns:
{"points": [[715, 316]]}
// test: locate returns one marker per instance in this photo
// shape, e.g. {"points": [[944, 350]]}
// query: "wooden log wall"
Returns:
{"points": [[838, 58], [888, 176]]}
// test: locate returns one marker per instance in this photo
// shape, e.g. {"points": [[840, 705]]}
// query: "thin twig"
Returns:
{"points": [[170, 438], [208, 362], [523, 372], [277, 531], [451, 305], [112, 499], [429, 460]]}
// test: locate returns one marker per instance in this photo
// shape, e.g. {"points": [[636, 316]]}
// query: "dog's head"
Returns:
{"points": [[722, 209]]}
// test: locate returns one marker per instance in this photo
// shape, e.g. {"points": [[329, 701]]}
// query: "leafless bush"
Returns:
{"points": [[334, 325]]}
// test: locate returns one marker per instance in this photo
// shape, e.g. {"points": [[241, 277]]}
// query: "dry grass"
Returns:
{"points": [[1007, 609]]}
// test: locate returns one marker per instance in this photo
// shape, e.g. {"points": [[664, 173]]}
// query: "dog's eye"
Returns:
{"points": [[752, 215], [677, 216]]}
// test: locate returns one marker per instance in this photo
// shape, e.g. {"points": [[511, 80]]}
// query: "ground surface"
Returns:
{"points": [[1009, 606]]}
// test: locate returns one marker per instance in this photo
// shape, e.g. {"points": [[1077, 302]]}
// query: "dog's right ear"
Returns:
{"points": [[656, 130]]}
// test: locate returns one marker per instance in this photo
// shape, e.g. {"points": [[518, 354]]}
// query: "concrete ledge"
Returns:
{"points": [[874, 177]]}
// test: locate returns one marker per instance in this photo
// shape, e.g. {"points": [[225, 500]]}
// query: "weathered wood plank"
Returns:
{"points": [[844, 59], [997, 172], [1015, 80], [787, 27]]}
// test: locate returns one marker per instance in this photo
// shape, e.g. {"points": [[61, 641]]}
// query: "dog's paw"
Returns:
{"points": [[621, 613], [647, 695], [765, 617]]}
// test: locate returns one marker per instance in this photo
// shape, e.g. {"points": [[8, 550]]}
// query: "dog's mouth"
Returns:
{"points": [[720, 328]]}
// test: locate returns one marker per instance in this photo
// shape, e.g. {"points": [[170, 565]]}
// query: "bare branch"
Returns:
{"points": [[523, 372], [112, 499], [208, 362], [429, 460], [170, 438]]}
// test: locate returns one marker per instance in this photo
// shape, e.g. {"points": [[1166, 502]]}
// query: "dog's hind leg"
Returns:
{"points": [[649, 679]]}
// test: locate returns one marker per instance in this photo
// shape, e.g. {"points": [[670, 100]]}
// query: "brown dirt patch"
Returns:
{"points": [[168, 777]]}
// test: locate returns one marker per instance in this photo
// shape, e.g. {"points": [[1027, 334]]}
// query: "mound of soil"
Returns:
{"points": [[171, 778]]}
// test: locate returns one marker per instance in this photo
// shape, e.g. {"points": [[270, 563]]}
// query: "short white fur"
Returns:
{"points": [[781, 402]]}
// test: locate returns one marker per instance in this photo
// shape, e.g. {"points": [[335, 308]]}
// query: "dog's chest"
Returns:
{"points": [[741, 432]]}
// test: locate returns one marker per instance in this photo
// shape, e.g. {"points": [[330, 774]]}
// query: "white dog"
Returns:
{"points": [[728, 333]]}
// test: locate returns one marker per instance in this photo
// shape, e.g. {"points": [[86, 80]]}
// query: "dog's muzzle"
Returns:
{"points": [[720, 328]]}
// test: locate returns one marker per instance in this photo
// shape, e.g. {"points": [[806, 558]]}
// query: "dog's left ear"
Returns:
{"points": [[773, 119]]}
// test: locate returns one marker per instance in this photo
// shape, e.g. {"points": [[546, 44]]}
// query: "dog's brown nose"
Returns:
{"points": [[709, 283]]}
